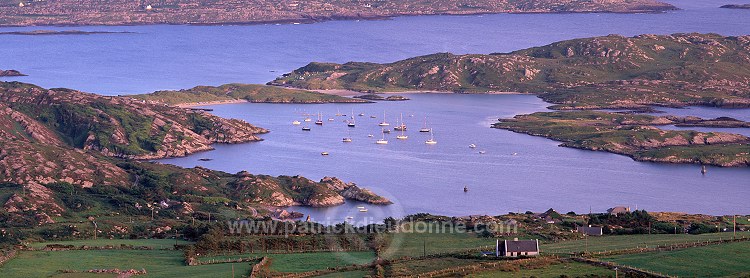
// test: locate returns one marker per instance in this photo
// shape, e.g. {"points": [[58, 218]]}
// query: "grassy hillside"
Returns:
{"points": [[599, 72], [248, 92]]}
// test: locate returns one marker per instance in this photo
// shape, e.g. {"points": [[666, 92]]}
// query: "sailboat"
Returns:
{"points": [[306, 128], [352, 122], [703, 169], [384, 123], [382, 141], [338, 113], [308, 120], [431, 141], [425, 128], [472, 146], [402, 126], [346, 140], [296, 123], [320, 119]]}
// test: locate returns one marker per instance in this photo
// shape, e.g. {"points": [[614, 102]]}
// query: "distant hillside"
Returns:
{"points": [[121, 12], [248, 92], [600, 72]]}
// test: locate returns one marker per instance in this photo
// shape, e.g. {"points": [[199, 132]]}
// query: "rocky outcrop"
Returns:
{"points": [[287, 191], [353, 192]]}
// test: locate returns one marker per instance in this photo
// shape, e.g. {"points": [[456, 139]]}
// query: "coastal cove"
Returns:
{"points": [[422, 178]]}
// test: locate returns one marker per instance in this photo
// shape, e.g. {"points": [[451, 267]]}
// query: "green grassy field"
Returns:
{"points": [[426, 265], [413, 244], [302, 262], [153, 243], [158, 263], [606, 243], [725, 260], [553, 271]]}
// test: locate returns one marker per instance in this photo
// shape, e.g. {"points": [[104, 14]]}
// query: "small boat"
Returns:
{"points": [[425, 128], [338, 113], [320, 120], [306, 128], [703, 169], [296, 123], [466, 188], [373, 116], [370, 135], [363, 210], [324, 153], [384, 123], [515, 154], [382, 141], [205, 159], [346, 140], [349, 217], [361, 114], [472, 146], [308, 120], [431, 141], [361, 207], [386, 130], [330, 119], [481, 152]]}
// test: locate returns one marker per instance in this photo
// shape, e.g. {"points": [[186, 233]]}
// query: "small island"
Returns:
{"points": [[736, 6], [9, 73]]}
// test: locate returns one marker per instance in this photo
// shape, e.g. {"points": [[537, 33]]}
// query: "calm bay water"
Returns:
{"points": [[423, 178], [419, 178]]}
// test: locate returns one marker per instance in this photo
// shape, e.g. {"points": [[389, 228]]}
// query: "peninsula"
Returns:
{"points": [[63, 32], [118, 12], [591, 73], [203, 95], [638, 136]]}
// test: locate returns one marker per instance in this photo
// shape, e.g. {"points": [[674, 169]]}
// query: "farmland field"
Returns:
{"points": [[731, 259]]}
